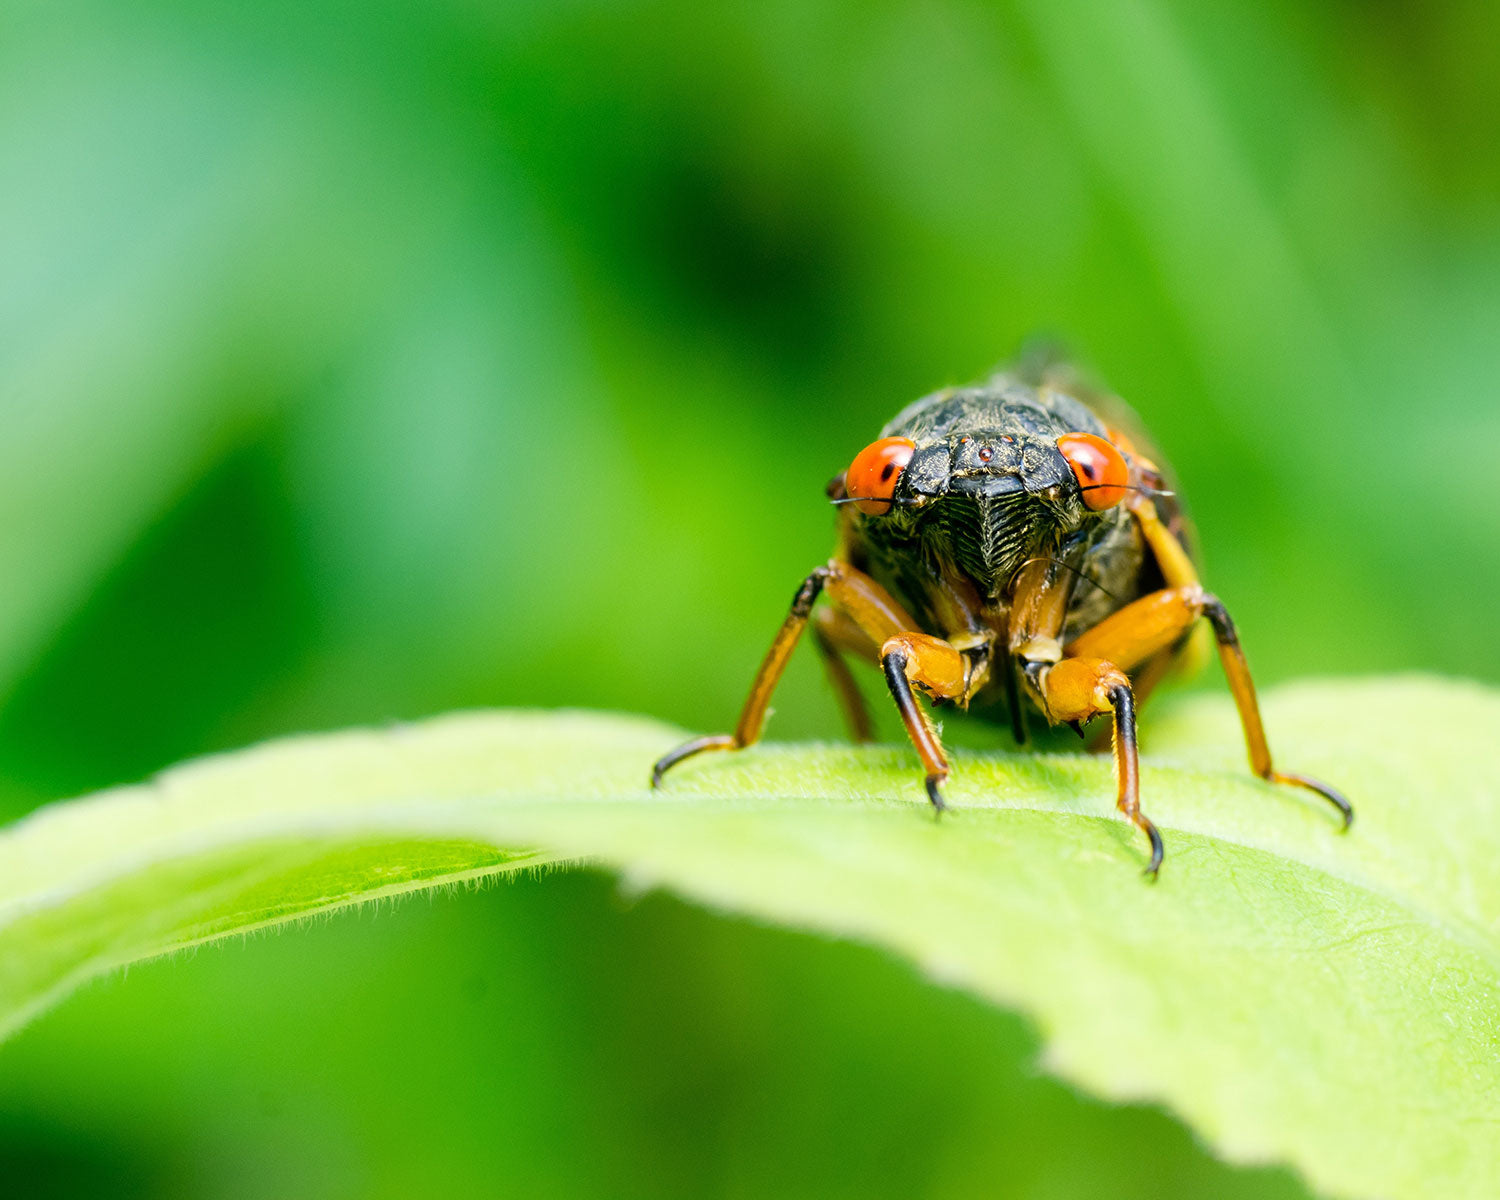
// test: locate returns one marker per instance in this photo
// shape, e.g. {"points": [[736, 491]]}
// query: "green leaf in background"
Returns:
{"points": [[1326, 1001]]}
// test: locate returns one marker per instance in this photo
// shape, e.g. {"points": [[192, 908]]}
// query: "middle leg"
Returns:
{"points": [[836, 634]]}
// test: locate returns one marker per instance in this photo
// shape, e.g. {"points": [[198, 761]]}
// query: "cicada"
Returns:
{"points": [[1010, 547]]}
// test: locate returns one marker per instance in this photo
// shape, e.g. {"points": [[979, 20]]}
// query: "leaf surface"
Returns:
{"points": [[1295, 995]]}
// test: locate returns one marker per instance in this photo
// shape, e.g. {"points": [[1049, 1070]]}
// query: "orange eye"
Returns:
{"points": [[1099, 468], [872, 476]]}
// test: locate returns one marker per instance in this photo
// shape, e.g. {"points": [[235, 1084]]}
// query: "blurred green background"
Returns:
{"points": [[362, 361]]}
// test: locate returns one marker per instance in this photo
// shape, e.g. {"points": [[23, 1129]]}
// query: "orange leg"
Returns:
{"points": [[933, 666], [1145, 680], [1171, 557], [753, 715], [1077, 689], [1141, 630], [837, 634], [911, 660]]}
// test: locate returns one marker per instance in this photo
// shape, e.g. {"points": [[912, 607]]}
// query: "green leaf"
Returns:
{"points": [[1293, 994]]}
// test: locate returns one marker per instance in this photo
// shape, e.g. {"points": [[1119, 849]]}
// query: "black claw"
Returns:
{"points": [[933, 794], [1158, 852], [667, 761], [1332, 795], [1346, 810]]}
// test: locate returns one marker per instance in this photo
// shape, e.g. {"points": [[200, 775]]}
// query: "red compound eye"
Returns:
{"points": [[1099, 468], [872, 476]]}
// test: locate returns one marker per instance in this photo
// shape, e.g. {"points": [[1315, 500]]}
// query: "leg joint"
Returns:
{"points": [[1218, 616], [1122, 700], [893, 663], [808, 593]]}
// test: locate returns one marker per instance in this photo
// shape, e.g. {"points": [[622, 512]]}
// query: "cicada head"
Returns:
{"points": [[986, 481]]}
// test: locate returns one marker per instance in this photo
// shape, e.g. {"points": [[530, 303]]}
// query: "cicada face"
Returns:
{"points": [[986, 480]]}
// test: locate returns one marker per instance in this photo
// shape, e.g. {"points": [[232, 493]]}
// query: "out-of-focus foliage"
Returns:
{"points": [[1299, 1028], [359, 361]]}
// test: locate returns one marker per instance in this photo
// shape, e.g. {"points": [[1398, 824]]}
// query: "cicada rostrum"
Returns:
{"points": [[1006, 546]]}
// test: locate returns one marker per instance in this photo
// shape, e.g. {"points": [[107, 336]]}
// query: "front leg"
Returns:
{"points": [[1078, 689], [932, 665]]}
